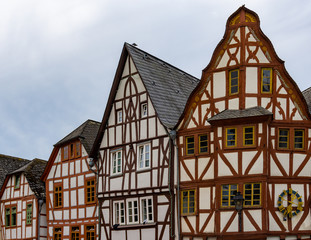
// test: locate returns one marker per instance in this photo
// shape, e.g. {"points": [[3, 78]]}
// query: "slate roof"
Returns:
{"points": [[167, 86], [9, 164], [86, 133], [307, 95], [33, 172], [233, 113]]}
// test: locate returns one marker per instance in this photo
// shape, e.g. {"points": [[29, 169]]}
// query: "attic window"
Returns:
{"points": [[17, 181], [71, 151], [144, 110]]}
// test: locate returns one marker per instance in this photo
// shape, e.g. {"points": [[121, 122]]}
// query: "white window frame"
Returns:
{"points": [[131, 201], [144, 109], [148, 207], [119, 116], [117, 213], [114, 162], [143, 156]]}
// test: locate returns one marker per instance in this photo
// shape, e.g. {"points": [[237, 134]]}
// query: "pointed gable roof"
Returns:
{"points": [[33, 172], [167, 86], [86, 132], [307, 95], [9, 164]]}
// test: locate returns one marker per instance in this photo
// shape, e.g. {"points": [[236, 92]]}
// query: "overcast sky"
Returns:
{"points": [[58, 57]]}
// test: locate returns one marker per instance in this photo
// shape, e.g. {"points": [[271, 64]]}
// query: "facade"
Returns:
{"points": [[136, 154], [72, 211], [23, 214], [246, 128]]}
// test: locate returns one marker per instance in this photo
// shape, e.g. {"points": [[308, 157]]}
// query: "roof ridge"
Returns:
{"points": [[182, 71], [86, 124], [307, 89], [16, 158]]}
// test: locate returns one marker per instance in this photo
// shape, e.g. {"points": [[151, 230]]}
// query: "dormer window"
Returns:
{"points": [[144, 110], [71, 151]]}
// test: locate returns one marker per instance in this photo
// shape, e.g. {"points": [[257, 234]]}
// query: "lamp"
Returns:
{"points": [[238, 202]]}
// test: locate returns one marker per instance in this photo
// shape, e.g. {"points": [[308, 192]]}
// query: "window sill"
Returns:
{"points": [[143, 169], [116, 175], [122, 227]]}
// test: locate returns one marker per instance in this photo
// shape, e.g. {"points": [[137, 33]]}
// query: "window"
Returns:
{"points": [[13, 216], [119, 214], [233, 82], [117, 162], [144, 156], [248, 136], [266, 80], [29, 213], [299, 139], [228, 191], [188, 202], [17, 181], [71, 151], [291, 139], [65, 153], [58, 196], [90, 191], [57, 233], [90, 232], [119, 116], [75, 234], [146, 210], [132, 211], [252, 194], [8, 217], [190, 145], [284, 138], [144, 110], [203, 143], [231, 137]]}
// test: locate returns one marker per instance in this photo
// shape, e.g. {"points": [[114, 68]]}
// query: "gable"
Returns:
{"points": [[247, 51]]}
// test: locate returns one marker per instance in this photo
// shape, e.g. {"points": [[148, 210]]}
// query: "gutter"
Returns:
{"points": [[40, 204]]}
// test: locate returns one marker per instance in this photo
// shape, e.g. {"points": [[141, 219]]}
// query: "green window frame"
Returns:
{"points": [[7, 217], [190, 145], [299, 136], [283, 138], [266, 80], [203, 143], [228, 191], [248, 136], [252, 194], [233, 82], [188, 202], [231, 134], [17, 181], [13, 216], [29, 213]]}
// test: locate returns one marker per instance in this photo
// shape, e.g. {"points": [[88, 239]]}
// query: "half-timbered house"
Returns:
{"points": [[71, 200], [246, 128], [133, 149], [23, 214]]}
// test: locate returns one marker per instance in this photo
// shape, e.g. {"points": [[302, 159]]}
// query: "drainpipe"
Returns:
{"points": [[173, 135], [40, 203], [91, 164]]}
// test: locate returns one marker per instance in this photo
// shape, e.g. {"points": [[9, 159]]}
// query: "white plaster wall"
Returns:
{"points": [[219, 86]]}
